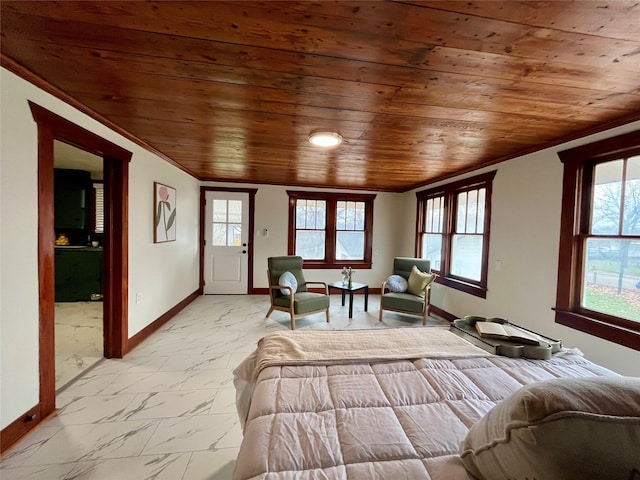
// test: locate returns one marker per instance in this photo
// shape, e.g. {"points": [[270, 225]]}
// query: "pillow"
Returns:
{"points": [[561, 428], [397, 283], [418, 281], [288, 279]]}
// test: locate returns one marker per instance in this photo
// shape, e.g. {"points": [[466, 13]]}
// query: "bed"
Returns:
{"points": [[388, 404]]}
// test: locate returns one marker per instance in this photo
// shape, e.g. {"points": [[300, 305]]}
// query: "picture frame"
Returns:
{"points": [[164, 213]]}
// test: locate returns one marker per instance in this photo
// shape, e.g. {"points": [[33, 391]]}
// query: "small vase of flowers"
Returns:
{"points": [[347, 272]]}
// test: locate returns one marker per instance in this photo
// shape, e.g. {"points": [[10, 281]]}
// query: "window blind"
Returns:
{"points": [[99, 207]]}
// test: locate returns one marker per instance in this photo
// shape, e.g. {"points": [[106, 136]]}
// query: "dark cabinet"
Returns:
{"points": [[71, 199], [78, 274]]}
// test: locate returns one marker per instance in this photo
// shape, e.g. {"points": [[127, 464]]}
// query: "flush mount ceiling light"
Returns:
{"points": [[325, 139]]}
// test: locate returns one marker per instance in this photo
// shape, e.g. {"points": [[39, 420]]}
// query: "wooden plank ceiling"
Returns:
{"points": [[420, 91]]}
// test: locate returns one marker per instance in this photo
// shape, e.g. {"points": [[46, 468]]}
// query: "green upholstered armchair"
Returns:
{"points": [[300, 302], [407, 302]]}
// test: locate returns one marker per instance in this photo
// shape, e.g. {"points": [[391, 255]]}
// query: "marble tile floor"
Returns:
{"points": [[167, 410], [79, 339]]}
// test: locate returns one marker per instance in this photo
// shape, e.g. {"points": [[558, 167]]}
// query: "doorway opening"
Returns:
{"points": [[52, 127], [79, 251]]}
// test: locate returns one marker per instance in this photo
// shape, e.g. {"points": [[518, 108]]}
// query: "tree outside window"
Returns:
{"points": [[611, 275], [599, 261]]}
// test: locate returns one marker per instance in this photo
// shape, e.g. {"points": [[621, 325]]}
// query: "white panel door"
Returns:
{"points": [[226, 259]]}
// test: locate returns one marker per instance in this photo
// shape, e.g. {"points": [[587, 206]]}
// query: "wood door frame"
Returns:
{"points": [[115, 262], [252, 203]]}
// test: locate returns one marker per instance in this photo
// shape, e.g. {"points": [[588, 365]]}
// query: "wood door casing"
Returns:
{"points": [[116, 164]]}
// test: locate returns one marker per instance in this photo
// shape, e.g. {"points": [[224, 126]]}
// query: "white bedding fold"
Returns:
{"points": [[343, 347], [321, 347]]}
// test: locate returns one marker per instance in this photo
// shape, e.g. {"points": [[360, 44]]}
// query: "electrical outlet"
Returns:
{"points": [[139, 297]]}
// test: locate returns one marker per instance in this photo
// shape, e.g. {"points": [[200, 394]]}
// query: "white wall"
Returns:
{"points": [[164, 273], [18, 256], [271, 212], [525, 231]]}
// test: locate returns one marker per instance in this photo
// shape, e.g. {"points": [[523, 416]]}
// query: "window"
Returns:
{"points": [[227, 223], [350, 233], [331, 230], [433, 230], [98, 207], [311, 225], [599, 261], [453, 232]]}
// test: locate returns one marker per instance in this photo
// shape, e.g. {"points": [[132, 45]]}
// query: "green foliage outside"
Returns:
{"points": [[612, 303], [613, 253]]}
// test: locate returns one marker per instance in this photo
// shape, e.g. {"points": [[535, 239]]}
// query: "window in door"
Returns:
{"points": [[227, 223]]}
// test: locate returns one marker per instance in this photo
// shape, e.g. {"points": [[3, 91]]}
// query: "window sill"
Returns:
{"points": [[355, 264], [462, 286], [607, 331]]}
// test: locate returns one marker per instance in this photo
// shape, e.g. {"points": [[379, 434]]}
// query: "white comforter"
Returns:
{"points": [[386, 419]]}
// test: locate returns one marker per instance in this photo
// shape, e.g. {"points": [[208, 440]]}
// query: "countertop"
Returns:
{"points": [[78, 248]]}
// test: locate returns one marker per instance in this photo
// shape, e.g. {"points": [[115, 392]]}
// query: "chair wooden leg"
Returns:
{"points": [[425, 315], [292, 313], [380, 316], [269, 312], [327, 314]]}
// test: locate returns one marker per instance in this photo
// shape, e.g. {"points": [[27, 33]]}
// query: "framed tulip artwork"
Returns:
{"points": [[164, 212]]}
